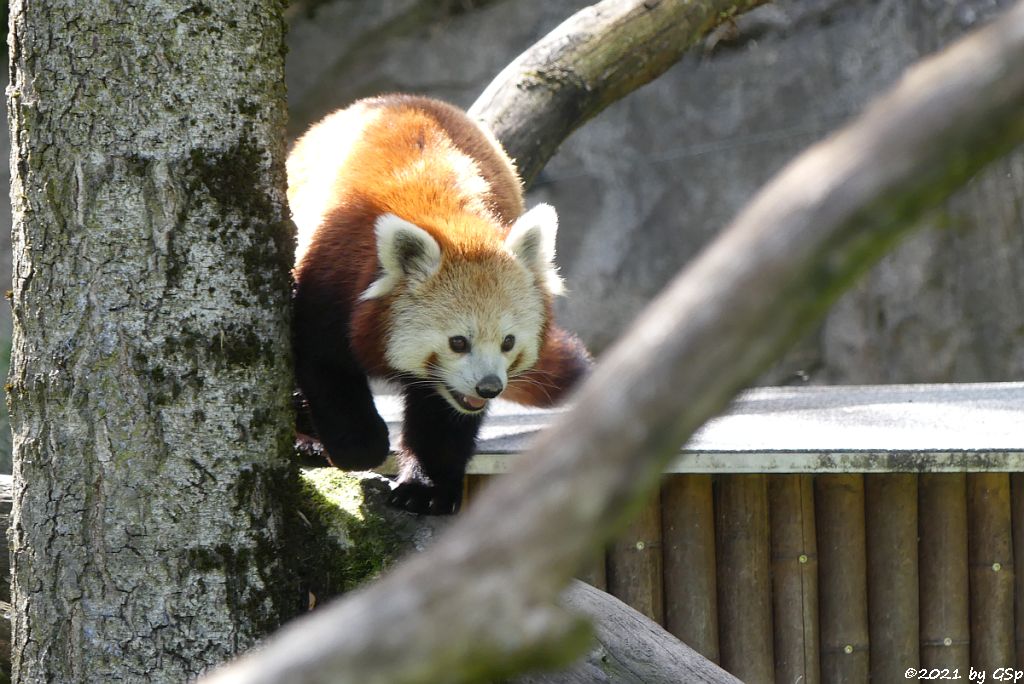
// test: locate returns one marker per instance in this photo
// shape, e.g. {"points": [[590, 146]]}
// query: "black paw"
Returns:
{"points": [[309, 451], [365, 449], [419, 497]]}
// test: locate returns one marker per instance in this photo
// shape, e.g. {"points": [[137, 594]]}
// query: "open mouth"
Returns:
{"points": [[467, 403]]}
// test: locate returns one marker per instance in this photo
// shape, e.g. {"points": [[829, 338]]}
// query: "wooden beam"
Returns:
{"points": [[990, 554], [945, 626], [634, 563], [794, 579], [842, 583], [970, 427], [894, 624], [744, 577], [688, 542]]}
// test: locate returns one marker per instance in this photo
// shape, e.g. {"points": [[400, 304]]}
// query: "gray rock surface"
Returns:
{"points": [[645, 185]]}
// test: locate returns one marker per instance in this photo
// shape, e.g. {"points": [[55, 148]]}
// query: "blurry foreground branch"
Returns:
{"points": [[482, 602], [595, 57]]}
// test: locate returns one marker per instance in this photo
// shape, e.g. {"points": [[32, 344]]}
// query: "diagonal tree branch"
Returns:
{"points": [[481, 604], [595, 57]]}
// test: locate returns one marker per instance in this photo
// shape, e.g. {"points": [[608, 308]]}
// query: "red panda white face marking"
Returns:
{"points": [[462, 321]]}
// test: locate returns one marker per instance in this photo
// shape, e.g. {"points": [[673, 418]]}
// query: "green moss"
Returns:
{"points": [[355, 545], [243, 347], [234, 179], [272, 556], [247, 107]]}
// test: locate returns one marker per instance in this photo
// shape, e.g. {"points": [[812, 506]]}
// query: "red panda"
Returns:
{"points": [[416, 263]]}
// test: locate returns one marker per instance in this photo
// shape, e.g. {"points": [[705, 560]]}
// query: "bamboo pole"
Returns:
{"points": [[688, 536], [893, 615], [842, 578], [991, 571], [634, 564], [1017, 523], [942, 526], [744, 577], [794, 578]]}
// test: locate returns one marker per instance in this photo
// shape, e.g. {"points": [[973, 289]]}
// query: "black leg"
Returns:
{"points": [[437, 443], [343, 415]]}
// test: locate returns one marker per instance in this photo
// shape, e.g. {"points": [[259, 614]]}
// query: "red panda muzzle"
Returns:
{"points": [[466, 401]]}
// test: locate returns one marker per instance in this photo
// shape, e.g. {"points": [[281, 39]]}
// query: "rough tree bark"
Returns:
{"points": [[494, 578], [362, 532], [597, 56], [151, 375]]}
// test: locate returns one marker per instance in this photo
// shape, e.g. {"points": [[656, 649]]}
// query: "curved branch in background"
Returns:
{"points": [[595, 57], [481, 604]]}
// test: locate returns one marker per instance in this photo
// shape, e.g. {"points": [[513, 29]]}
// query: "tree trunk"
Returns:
{"points": [[150, 377]]}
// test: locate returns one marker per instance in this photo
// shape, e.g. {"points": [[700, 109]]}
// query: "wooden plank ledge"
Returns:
{"points": [[972, 427]]}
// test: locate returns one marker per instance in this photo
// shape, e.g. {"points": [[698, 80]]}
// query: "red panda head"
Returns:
{"points": [[466, 321]]}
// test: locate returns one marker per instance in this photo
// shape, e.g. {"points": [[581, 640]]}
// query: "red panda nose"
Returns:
{"points": [[489, 387]]}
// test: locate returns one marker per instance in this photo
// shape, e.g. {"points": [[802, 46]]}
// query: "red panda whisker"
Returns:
{"points": [[543, 387]]}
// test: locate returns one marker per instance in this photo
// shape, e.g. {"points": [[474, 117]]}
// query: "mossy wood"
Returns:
{"points": [[494, 579], [347, 535], [150, 379]]}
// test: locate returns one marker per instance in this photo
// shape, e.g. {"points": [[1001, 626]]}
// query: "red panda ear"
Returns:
{"points": [[532, 241], [406, 252]]}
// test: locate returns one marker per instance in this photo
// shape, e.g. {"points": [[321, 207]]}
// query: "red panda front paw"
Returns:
{"points": [[416, 496], [309, 451], [361, 449]]}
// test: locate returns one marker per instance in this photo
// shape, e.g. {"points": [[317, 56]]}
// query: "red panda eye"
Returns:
{"points": [[508, 343], [459, 344]]}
